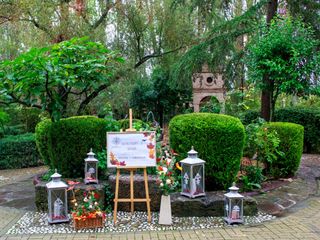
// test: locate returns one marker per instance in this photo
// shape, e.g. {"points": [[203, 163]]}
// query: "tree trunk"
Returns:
{"points": [[266, 94]]}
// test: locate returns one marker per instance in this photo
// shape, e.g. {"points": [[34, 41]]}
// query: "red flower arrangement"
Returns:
{"points": [[166, 165], [87, 213]]}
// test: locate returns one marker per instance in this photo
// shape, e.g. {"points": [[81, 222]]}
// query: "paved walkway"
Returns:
{"points": [[300, 221]]}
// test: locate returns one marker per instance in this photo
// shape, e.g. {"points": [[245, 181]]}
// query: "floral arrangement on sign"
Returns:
{"points": [[166, 169], [88, 208]]}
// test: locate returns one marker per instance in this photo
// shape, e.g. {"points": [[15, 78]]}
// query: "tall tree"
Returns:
{"points": [[266, 94]]}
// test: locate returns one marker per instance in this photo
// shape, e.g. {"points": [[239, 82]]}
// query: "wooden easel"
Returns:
{"points": [[132, 200]]}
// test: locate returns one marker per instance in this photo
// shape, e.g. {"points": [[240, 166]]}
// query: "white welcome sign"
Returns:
{"points": [[131, 149]]}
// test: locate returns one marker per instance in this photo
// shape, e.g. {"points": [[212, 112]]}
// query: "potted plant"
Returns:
{"points": [[87, 213], [167, 180]]}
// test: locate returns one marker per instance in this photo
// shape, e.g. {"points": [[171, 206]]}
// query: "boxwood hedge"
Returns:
{"points": [[64, 144], [19, 151], [291, 144], [219, 140]]}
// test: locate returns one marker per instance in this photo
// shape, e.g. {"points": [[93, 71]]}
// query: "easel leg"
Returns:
{"points": [[147, 193], [131, 191], [116, 197]]}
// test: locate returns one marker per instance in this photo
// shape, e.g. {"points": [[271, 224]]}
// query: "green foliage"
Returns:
{"points": [[157, 96], [212, 106], [30, 117], [136, 124], [42, 136], [65, 143], [307, 117], [18, 152], [252, 179], [291, 144], [263, 142], [15, 129], [218, 139], [286, 52], [218, 48], [102, 164], [4, 118], [51, 75], [109, 196]]}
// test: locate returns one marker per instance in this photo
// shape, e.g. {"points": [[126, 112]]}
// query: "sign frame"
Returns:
{"points": [[150, 147]]}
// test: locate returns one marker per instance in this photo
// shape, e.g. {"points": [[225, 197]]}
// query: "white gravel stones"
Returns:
{"points": [[36, 222]]}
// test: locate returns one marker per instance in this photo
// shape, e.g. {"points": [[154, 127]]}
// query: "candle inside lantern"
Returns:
{"points": [[235, 214], [57, 208]]}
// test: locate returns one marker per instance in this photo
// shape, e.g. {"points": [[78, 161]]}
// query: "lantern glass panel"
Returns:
{"points": [[91, 171], [186, 178], [197, 179], [233, 209], [58, 209]]}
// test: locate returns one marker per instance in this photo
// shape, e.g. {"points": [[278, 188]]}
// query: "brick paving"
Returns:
{"points": [[302, 224]]}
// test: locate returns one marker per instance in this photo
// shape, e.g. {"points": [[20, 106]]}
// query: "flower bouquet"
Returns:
{"points": [[166, 169], [88, 213], [168, 183]]}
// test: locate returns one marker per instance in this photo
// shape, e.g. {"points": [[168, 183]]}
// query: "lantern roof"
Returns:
{"points": [[56, 181], [233, 193], [192, 158], [91, 157]]}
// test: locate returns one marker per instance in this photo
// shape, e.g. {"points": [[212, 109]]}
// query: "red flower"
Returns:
{"points": [[169, 173], [160, 168], [96, 196], [158, 160]]}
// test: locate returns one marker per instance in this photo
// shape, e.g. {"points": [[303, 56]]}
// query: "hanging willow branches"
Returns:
{"points": [[219, 47]]}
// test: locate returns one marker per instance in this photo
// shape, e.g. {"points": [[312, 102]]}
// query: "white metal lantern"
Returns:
{"points": [[91, 168], [233, 206], [57, 200], [192, 175]]}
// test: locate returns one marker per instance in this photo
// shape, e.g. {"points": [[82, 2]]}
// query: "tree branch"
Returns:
{"points": [[36, 24], [17, 100], [90, 97], [97, 23], [154, 55]]}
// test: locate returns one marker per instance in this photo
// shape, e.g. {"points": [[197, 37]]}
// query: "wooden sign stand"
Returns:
{"points": [[132, 200]]}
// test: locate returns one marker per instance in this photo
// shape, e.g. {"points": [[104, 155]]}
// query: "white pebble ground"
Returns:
{"points": [[36, 223]]}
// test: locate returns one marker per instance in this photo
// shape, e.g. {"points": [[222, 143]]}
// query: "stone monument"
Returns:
{"points": [[206, 84]]}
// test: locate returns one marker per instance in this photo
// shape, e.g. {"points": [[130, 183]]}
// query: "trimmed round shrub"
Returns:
{"points": [[307, 117], [217, 138], [19, 151], [65, 143], [291, 144]]}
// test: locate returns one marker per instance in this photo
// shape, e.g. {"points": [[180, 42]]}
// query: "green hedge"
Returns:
{"points": [[65, 144], [18, 152], [42, 135], [218, 139], [291, 144], [308, 118], [30, 117]]}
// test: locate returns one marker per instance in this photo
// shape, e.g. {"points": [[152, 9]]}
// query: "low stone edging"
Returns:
{"points": [[210, 205]]}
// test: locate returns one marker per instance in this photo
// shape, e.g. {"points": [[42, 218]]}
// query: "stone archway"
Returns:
{"points": [[207, 84]]}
